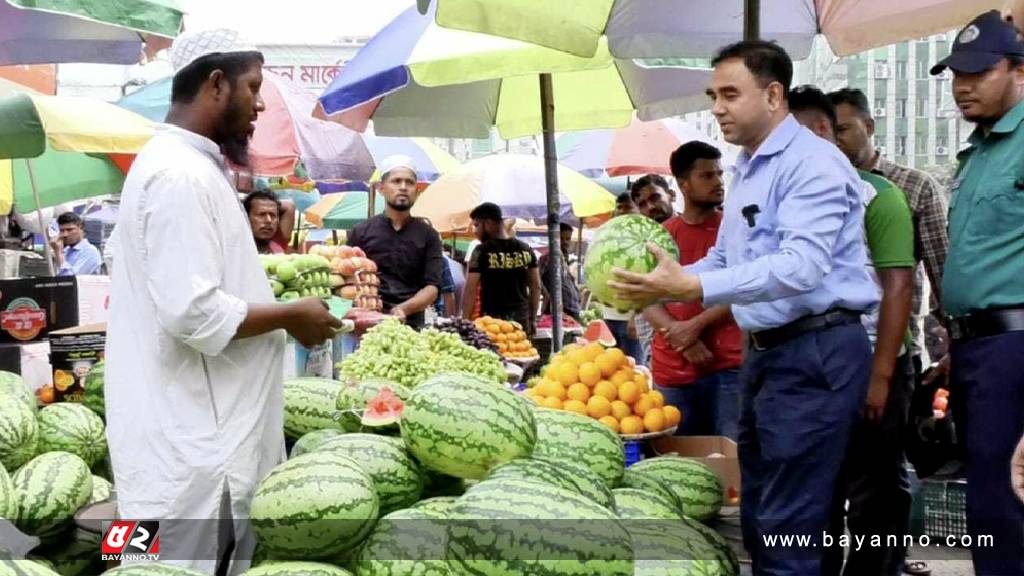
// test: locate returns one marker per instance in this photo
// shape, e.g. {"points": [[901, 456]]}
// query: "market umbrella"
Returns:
{"points": [[698, 28], [640, 148], [342, 210], [285, 133], [430, 160], [516, 182], [52, 31], [416, 79]]}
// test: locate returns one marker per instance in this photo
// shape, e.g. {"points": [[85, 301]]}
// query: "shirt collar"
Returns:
{"points": [[882, 165], [779, 139], [81, 244], [1008, 123], [197, 141]]}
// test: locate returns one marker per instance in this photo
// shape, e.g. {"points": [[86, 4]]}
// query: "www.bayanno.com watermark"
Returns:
{"points": [[862, 541]]}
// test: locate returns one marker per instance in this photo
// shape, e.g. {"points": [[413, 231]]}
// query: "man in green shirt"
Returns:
{"points": [[875, 478], [983, 283]]}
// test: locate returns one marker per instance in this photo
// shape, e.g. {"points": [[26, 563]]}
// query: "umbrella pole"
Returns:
{"points": [[39, 214], [752, 20], [579, 254], [547, 115]]}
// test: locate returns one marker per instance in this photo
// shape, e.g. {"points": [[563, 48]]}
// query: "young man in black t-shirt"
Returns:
{"points": [[505, 269]]}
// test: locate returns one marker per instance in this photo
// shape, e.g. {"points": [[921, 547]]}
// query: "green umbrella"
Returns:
{"points": [[342, 211]]}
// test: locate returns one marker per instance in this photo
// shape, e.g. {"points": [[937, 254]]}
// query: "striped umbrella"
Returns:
{"points": [[430, 160], [342, 210]]}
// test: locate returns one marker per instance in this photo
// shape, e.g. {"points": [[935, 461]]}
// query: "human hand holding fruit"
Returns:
{"points": [[311, 322], [668, 279]]}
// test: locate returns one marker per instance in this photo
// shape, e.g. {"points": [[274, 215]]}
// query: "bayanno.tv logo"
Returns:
{"points": [[131, 540]]}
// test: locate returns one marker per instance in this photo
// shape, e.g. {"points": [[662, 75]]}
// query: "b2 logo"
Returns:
{"points": [[131, 540]]}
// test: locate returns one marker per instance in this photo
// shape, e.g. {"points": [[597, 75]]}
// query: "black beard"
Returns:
{"points": [[235, 144], [236, 149], [405, 208]]}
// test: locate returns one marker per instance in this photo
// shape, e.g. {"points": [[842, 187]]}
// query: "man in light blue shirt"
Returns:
{"points": [[791, 260], [75, 255]]}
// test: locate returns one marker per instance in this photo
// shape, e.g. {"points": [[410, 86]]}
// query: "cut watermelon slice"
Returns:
{"points": [[384, 409], [598, 331]]}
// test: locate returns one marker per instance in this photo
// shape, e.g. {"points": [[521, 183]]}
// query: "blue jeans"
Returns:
{"points": [[631, 346], [710, 404]]}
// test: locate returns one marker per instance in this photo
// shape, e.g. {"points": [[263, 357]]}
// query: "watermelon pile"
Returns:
{"points": [[622, 243]]}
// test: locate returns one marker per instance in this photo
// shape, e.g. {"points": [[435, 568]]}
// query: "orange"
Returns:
{"points": [[672, 416], [629, 392], [556, 391], [593, 350], [641, 383], [618, 355], [493, 328], [575, 406], [606, 389], [590, 374], [631, 425], [608, 364], [578, 357], [620, 409], [507, 328], [599, 407], [551, 402], [654, 420], [644, 405], [567, 374], [622, 376], [657, 397], [570, 348], [578, 392], [610, 422]]}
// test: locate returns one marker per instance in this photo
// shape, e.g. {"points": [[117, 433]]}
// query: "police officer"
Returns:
{"points": [[983, 283], [791, 260]]}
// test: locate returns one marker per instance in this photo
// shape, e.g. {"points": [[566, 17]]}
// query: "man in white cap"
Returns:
{"points": [[195, 341], [406, 249]]}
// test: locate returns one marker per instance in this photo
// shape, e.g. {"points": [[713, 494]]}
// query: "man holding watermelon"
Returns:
{"points": [[790, 259]]}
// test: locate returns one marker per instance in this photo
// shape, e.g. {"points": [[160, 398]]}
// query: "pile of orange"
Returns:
{"points": [[509, 337], [603, 383]]}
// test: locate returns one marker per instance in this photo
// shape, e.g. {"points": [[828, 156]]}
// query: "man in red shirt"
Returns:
{"points": [[697, 353]]}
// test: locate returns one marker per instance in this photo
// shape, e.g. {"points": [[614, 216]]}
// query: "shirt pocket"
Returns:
{"points": [[763, 237], [998, 209]]}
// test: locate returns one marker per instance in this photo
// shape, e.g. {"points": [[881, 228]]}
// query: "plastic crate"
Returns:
{"points": [[945, 507]]}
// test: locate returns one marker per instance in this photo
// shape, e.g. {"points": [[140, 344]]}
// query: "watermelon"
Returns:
{"points": [[598, 331], [152, 569], [352, 400], [461, 425], [695, 485], [75, 556], [405, 543], [103, 469], [315, 506], [720, 547], [101, 488], [384, 409], [635, 504], [93, 397], [439, 504], [397, 477], [648, 483], [49, 490], [436, 484], [312, 441], [570, 476], [18, 432], [663, 548], [296, 569], [570, 437], [69, 427], [14, 384], [309, 406], [8, 503], [25, 568], [622, 243], [512, 526]]}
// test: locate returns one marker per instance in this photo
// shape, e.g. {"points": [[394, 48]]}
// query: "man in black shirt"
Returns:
{"points": [[406, 249], [505, 269]]}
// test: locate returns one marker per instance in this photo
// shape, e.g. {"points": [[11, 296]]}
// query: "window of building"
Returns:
{"points": [[941, 141], [923, 68], [881, 70], [901, 145], [901, 107], [901, 70], [922, 107]]}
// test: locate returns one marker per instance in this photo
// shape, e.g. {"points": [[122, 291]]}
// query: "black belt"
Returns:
{"points": [[772, 337], [982, 323]]}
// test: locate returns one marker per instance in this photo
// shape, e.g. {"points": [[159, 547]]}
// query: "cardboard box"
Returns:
{"points": [[30, 308], [93, 299], [701, 448], [73, 353]]}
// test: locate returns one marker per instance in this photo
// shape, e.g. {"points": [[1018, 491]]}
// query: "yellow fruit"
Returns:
{"points": [[654, 420], [493, 329], [579, 392], [611, 422], [620, 409], [606, 389], [599, 407], [507, 328], [672, 416], [557, 391], [644, 405], [578, 357], [622, 376], [629, 392], [567, 374], [570, 348], [617, 355], [657, 397], [551, 402], [589, 374], [631, 425], [593, 350], [639, 377], [575, 406], [607, 364]]}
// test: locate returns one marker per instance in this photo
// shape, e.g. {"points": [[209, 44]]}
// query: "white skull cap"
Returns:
{"points": [[190, 46]]}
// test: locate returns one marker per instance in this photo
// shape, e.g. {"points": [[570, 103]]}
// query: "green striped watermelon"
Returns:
{"points": [[671, 548], [722, 550], [311, 441], [25, 568], [439, 504], [579, 479], [8, 503], [397, 477], [49, 490], [512, 526], [352, 399], [570, 437], [694, 484], [405, 543], [101, 488], [296, 569], [78, 555], [93, 397], [69, 427], [648, 483], [622, 243], [437, 484], [309, 405], [461, 425], [635, 504], [315, 506], [152, 569], [19, 432], [14, 384]]}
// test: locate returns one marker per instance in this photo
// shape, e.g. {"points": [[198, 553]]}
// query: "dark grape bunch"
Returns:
{"points": [[466, 330]]}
